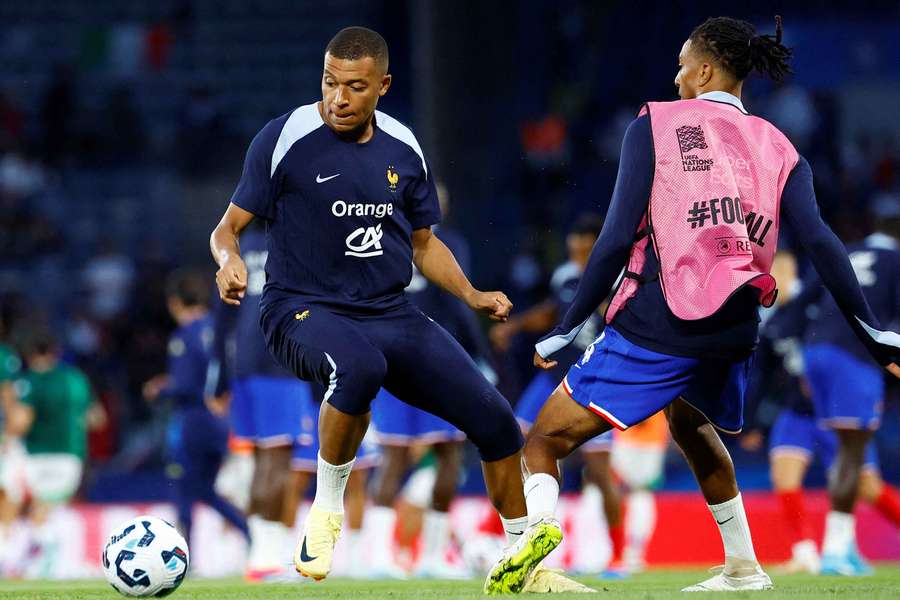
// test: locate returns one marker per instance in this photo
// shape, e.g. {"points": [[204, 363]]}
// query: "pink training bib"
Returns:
{"points": [[714, 204]]}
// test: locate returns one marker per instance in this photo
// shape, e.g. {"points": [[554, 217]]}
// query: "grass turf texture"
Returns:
{"points": [[656, 584]]}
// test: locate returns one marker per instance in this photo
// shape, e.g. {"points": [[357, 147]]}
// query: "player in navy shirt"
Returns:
{"points": [[796, 438], [197, 438], [849, 400], [349, 201], [647, 359]]}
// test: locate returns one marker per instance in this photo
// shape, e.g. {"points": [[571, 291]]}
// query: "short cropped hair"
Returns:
{"points": [[354, 43], [190, 287]]}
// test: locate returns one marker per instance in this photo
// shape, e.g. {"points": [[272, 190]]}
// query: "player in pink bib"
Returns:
{"points": [[702, 191]]}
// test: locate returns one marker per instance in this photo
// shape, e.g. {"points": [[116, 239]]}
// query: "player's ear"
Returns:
{"points": [[704, 74], [385, 84]]}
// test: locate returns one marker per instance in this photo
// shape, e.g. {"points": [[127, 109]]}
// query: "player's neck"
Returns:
{"points": [[735, 89]]}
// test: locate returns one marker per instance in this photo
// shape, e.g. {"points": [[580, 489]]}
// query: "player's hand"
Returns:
{"points": [[231, 279], [493, 304], [752, 441], [544, 363], [894, 370], [153, 387], [501, 335], [218, 405]]}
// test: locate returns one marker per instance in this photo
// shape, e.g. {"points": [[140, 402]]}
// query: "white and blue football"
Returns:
{"points": [[145, 556]]}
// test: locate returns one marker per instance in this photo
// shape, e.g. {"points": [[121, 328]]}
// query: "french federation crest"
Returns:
{"points": [[393, 178]]}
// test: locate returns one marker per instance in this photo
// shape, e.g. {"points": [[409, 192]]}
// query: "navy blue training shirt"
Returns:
{"points": [[732, 332], [339, 214], [189, 353]]}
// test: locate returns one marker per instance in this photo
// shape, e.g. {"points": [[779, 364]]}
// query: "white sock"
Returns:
{"points": [[541, 496], [354, 552], [435, 535], [331, 481], [640, 520], [840, 533], [268, 545], [381, 521], [735, 530], [257, 527], [514, 528]]}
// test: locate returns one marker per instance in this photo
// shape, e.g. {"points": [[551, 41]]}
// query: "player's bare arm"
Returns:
{"points": [[435, 261], [231, 278]]}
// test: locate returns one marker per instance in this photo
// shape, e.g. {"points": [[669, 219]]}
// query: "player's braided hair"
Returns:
{"points": [[737, 47], [354, 43]]}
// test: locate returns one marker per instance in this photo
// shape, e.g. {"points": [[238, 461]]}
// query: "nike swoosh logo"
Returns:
{"points": [[725, 521], [320, 179], [514, 532], [304, 557]]}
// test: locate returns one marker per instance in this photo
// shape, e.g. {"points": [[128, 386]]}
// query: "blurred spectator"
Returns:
{"points": [[108, 278]]}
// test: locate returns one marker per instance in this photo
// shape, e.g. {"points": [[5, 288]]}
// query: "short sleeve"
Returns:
{"points": [[423, 208], [84, 395], [255, 191]]}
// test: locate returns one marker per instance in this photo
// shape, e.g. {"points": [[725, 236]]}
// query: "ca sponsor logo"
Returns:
{"points": [[365, 242]]}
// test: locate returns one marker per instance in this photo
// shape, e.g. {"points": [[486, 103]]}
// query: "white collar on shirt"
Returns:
{"points": [[725, 97]]}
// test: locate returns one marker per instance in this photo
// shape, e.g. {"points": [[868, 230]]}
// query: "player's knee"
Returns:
{"points": [[496, 435], [351, 389]]}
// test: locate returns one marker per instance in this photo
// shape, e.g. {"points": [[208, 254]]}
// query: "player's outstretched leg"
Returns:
{"points": [[712, 466]]}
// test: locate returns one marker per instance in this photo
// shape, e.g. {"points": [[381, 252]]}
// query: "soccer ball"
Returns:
{"points": [[145, 556]]}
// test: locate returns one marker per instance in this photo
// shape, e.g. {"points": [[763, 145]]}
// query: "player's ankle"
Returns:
{"points": [[740, 567]]}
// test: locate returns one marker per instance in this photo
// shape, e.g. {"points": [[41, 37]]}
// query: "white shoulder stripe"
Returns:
{"points": [[396, 129], [887, 338], [301, 123]]}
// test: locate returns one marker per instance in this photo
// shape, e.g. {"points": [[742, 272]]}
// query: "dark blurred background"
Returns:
{"points": [[123, 126]]}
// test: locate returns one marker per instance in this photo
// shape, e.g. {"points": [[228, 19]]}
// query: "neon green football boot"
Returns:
{"points": [[511, 572]]}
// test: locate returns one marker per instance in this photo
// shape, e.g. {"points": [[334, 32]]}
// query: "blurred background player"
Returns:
{"points": [[197, 438], [400, 426], [638, 459], [267, 407], [848, 389], [796, 438], [538, 319], [55, 409]]}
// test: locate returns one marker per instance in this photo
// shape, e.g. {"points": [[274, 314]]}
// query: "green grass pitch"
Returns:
{"points": [[656, 584]]}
